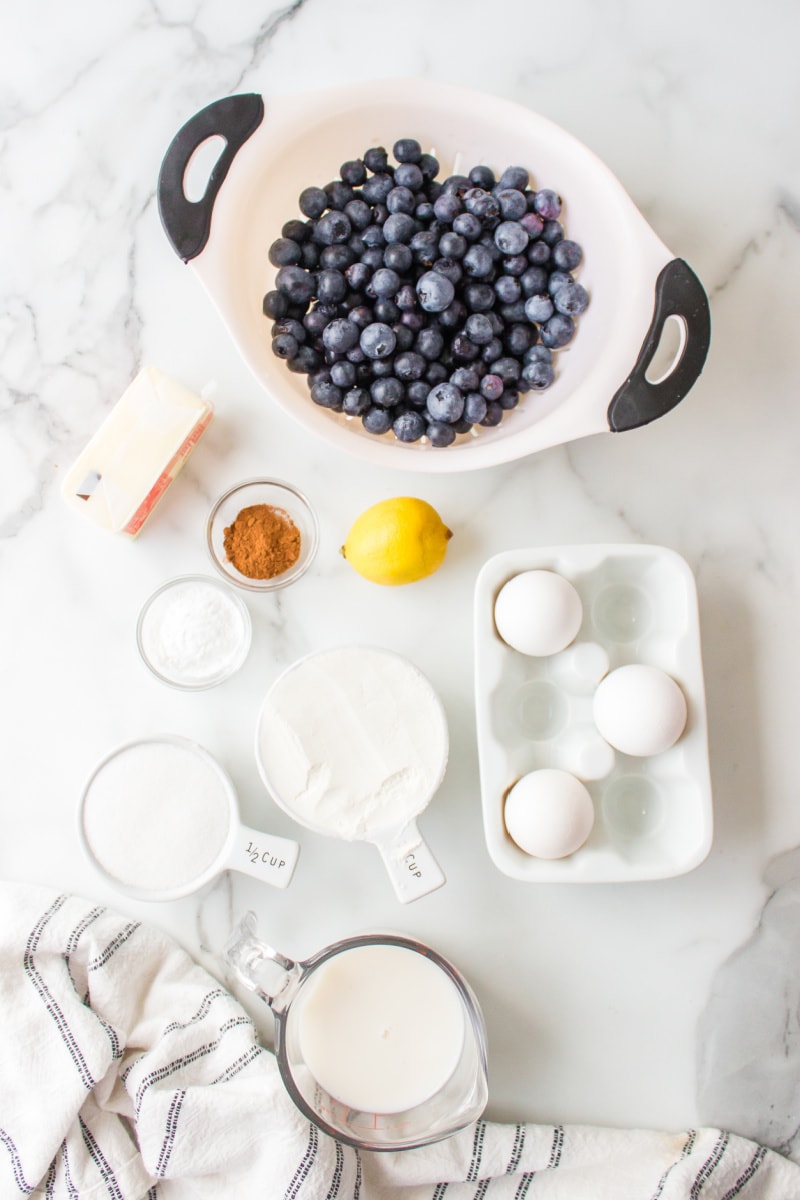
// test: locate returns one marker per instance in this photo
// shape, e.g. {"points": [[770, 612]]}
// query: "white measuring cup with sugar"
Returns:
{"points": [[352, 743], [159, 819]]}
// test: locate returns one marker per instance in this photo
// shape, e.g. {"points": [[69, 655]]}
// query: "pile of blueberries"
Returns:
{"points": [[424, 307]]}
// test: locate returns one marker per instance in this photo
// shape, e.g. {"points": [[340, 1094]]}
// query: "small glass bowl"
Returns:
{"points": [[278, 495], [156, 608]]}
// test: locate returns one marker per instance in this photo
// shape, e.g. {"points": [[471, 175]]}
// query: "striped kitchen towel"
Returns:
{"points": [[128, 1072]]}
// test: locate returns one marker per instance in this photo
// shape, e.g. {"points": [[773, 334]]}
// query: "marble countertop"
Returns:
{"points": [[657, 1004]]}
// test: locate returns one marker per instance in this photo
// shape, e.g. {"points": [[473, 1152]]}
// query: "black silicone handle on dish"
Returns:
{"points": [[679, 293], [187, 223]]}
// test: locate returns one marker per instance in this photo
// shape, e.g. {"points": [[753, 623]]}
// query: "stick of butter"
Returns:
{"points": [[137, 452]]}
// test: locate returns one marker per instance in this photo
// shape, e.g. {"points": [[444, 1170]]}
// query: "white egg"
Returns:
{"points": [[640, 710], [538, 613], [549, 813]]}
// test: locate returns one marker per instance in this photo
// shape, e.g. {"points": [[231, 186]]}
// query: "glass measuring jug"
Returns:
{"points": [[380, 1041]]}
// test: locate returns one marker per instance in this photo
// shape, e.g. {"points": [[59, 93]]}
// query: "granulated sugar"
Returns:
{"points": [[157, 814]]}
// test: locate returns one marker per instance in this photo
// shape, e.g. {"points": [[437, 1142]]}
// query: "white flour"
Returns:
{"points": [[193, 632], [353, 741], [157, 815]]}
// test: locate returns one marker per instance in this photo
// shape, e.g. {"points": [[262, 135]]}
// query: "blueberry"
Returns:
{"points": [[423, 210], [463, 349], [538, 253], [399, 227], [440, 434], [447, 207], [297, 285], [425, 247], [520, 338], [491, 387], [449, 268], [445, 402], [358, 214], [413, 320], [467, 226], [407, 150], [377, 188], [337, 258], [538, 375], [533, 281], [285, 253], [387, 391], [492, 349], [456, 184], [451, 245], [532, 223], [401, 199], [453, 316], [354, 172], [385, 283], [275, 304], [508, 369], [404, 337], [509, 399], [515, 264], [386, 311], [310, 255], [331, 286], [305, 361], [408, 175], [284, 345], [406, 298], [298, 231], [340, 336], [547, 204], [317, 318], [291, 326], [429, 166], [481, 204], [376, 159], [466, 379], [494, 413], [474, 407], [410, 365], [430, 343], [409, 426], [482, 177], [435, 292], [507, 289], [377, 420], [332, 227], [373, 257], [478, 262], [552, 232], [557, 280], [567, 255], [478, 328], [377, 340], [480, 297], [557, 331], [417, 392], [436, 373], [381, 368], [513, 205], [358, 276], [373, 236], [338, 193], [312, 202], [327, 395], [361, 316], [571, 299], [398, 257], [356, 401], [538, 353], [343, 374], [539, 308], [514, 177], [510, 237]]}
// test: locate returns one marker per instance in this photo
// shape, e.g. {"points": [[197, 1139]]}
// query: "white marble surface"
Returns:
{"points": [[659, 1004]]}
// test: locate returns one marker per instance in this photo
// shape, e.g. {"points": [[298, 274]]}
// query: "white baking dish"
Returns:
{"points": [[278, 145]]}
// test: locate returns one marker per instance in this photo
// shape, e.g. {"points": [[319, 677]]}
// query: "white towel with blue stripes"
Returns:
{"points": [[127, 1072]]}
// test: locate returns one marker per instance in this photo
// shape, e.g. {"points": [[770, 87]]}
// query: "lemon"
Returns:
{"points": [[397, 541]]}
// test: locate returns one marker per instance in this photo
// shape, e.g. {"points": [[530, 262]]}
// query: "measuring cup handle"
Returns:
{"points": [[187, 223], [413, 870], [679, 293], [263, 855]]}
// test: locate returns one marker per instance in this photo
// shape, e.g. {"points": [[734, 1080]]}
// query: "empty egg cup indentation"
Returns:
{"points": [[542, 710], [634, 808], [622, 612]]}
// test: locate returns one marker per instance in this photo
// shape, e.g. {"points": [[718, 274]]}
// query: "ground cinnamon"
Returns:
{"points": [[262, 542]]}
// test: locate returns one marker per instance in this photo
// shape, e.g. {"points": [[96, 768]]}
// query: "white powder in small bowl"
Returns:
{"points": [[194, 632], [157, 814]]}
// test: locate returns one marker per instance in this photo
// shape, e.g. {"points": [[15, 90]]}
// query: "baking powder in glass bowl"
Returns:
{"points": [[194, 632]]}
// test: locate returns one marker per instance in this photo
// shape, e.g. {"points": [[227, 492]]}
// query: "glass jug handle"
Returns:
{"points": [[258, 967]]}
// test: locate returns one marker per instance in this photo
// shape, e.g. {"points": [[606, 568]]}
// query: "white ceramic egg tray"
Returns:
{"points": [[653, 816]]}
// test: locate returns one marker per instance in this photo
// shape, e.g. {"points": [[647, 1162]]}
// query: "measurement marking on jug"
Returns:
{"points": [[256, 855]]}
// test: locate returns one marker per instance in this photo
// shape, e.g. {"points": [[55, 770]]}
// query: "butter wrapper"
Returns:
{"points": [[136, 453]]}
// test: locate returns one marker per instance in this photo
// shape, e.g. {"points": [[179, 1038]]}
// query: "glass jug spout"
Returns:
{"points": [[260, 968]]}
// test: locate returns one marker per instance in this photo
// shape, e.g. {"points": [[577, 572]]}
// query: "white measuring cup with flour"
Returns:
{"points": [[159, 819], [352, 742]]}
